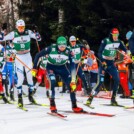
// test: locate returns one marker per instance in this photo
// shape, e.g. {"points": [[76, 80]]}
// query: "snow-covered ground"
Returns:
{"points": [[37, 121]]}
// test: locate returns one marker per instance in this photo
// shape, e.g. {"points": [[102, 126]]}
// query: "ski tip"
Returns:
{"points": [[129, 107], [61, 116], [45, 105], [22, 108], [102, 114], [89, 106]]}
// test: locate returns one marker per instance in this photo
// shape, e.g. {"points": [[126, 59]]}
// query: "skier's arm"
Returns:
{"points": [[131, 46], [73, 72], [35, 36], [40, 54], [122, 47], [9, 36], [102, 46]]}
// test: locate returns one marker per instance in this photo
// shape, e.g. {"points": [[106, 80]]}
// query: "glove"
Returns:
{"points": [[34, 72], [37, 36], [133, 61], [133, 58], [104, 65], [73, 86], [82, 60], [34, 28]]}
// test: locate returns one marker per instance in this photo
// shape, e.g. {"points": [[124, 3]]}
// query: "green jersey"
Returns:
{"points": [[43, 63], [110, 49], [77, 52], [57, 58], [21, 41]]}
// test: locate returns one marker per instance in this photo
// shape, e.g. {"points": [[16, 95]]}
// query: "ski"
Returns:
{"points": [[61, 116], [114, 105], [22, 108], [129, 107], [103, 97], [90, 113], [89, 106], [9, 102], [39, 104]]}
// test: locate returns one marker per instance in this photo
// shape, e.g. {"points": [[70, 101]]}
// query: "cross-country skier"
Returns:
{"points": [[106, 54], [42, 73], [8, 70], [77, 49], [130, 38], [2, 92], [21, 38], [58, 56]]}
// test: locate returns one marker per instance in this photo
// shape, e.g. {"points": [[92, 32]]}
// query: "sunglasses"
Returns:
{"points": [[61, 46], [21, 27], [115, 35]]}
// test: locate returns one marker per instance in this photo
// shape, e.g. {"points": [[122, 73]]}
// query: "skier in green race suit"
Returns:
{"points": [[21, 39], [106, 54], [58, 56]]}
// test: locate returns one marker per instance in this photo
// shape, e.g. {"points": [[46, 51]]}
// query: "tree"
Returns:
{"points": [[91, 19]]}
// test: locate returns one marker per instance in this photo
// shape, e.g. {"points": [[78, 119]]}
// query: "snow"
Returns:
{"points": [[37, 121]]}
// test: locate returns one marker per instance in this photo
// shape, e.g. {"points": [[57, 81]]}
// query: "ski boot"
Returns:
{"points": [[47, 94], [20, 101], [53, 106], [7, 94], [113, 101], [89, 101], [124, 97], [88, 90], [75, 108], [30, 97], [5, 84], [132, 97], [12, 96], [2, 96]]}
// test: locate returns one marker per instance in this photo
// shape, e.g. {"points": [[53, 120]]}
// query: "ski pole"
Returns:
{"points": [[37, 44], [29, 69]]}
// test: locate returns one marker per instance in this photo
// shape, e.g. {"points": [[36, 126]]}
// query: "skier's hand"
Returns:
{"points": [[37, 36], [73, 86], [133, 61], [34, 72], [133, 58], [104, 65]]}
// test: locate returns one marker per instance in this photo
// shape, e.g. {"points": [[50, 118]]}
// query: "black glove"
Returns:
{"points": [[34, 28], [85, 43]]}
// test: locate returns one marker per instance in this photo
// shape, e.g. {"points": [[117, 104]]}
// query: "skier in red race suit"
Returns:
{"points": [[122, 65]]}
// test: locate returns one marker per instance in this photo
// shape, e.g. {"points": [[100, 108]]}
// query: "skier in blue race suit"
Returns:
{"points": [[9, 69], [58, 56], [107, 52]]}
